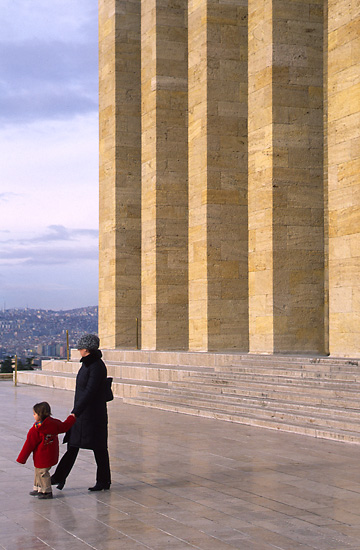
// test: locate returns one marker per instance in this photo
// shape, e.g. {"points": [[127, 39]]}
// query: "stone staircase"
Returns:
{"points": [[132, 371], [316, 396]]}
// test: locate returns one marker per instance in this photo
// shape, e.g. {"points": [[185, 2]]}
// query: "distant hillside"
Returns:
{"points": [[25, 331]]}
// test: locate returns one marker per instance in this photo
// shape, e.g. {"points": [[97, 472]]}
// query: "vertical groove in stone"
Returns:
{"points": [[298, 195], [120, 149], [218, 288], [343, 176], [164, 175], [227, 181], [286, 203]]}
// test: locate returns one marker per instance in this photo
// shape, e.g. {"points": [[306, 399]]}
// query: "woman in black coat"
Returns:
{"points": [[91, 428]]}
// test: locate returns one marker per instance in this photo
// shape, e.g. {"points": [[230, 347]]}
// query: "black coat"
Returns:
{"points": [[90, 430]]}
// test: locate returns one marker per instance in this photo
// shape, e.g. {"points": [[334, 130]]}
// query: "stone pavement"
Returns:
{"points": [[180, 483]]}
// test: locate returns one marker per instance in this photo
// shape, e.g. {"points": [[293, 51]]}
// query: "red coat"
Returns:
{"points": [[43, 442]]}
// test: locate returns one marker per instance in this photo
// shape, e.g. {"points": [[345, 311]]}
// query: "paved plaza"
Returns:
{"points": [[180, 483]]}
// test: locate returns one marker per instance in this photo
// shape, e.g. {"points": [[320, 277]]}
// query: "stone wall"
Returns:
{"points": [[228, 204]]}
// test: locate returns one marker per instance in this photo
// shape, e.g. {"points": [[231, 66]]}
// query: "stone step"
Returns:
{"points": [[291, 362], [63, 381], [313, 430], [56, 365], [160, 372], [121, 387], [299, 371], [224, 380], [215, 359], [142, 371], [135, 371], [294, 398], [338, 407], [339, 419], [280, 394], [271, 389], [316, 396]]}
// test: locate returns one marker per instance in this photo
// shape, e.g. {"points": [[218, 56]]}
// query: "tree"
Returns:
{"points": [[6, 364], [28, 364]]}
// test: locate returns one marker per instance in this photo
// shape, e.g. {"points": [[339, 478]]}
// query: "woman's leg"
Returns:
{"points": [[103, 476], [64, 467]]}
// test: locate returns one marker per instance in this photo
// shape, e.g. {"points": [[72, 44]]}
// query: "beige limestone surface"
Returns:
{"points": [[229, 175]]}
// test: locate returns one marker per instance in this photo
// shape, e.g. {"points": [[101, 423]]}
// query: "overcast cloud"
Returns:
{"points": [[49, 153], [43, 80]]}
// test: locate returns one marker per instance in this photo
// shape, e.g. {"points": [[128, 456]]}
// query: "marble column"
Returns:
{"points": [[286, 196], [120, 172], [164, 175], [343, 93], [218, 283]]}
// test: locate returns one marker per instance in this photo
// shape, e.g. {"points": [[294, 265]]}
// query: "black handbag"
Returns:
{"points": [[109, 393]]}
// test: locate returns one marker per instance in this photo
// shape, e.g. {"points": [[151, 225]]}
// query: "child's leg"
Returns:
{"points": [[44, 480], [37, 483]]}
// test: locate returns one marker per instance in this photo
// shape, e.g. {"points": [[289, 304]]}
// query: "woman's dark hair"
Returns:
{"points": [[42, 409]]}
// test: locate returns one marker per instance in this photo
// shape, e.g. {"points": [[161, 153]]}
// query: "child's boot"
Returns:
{"points": [[43, 496]]}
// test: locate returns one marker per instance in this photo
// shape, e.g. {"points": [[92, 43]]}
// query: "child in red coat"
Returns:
{"points": [[42, 440]]}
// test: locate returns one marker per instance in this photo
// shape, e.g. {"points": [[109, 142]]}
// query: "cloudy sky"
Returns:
{"points": [[48, 153]]}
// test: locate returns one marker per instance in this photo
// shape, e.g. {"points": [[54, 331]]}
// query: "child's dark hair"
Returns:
{"points": [[42, 409]]}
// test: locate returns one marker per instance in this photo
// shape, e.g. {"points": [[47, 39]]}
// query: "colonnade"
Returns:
{"points": [[229, 175]]}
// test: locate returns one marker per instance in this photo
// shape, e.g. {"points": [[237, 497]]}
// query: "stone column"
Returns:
{"points": [[120, 172], [344, 176], [286, 241], [164, 175], [261, 270], [218, 306]]}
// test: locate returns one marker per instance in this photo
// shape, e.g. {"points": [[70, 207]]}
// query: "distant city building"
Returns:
{"points": [[43, 333]]}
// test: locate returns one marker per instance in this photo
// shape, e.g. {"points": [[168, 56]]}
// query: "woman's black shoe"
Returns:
{"points": [[59, 484], [100, 487]]}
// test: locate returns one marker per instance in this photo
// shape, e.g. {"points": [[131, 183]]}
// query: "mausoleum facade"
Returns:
{"points": [[230, 175]]}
